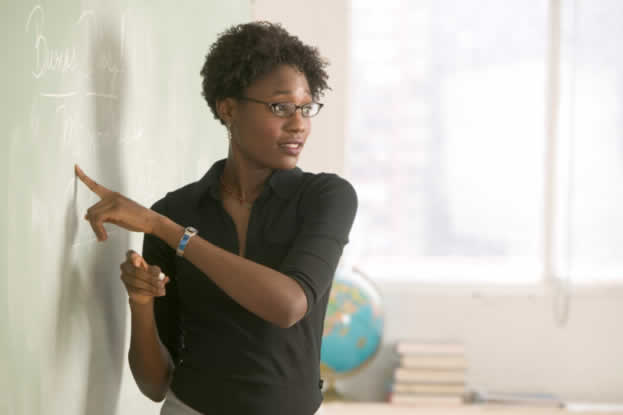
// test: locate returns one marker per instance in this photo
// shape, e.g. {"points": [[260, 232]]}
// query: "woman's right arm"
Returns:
{"points": [[150, 362]]}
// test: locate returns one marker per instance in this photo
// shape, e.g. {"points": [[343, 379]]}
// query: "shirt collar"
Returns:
{"points": [[283, 182]]}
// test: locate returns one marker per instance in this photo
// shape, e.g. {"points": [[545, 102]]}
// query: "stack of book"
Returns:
{"points": [[429, 373]]}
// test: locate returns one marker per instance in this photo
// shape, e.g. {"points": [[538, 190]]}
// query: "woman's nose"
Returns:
{"points": [[297, 122]]}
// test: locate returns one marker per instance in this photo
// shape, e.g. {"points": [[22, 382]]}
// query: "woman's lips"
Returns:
{"points": [[291, 149]]}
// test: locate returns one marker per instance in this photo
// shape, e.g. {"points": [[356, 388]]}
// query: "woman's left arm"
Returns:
{"points": [[263, 291], [269, 294]]}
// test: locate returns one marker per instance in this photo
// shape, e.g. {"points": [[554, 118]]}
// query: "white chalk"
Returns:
{"points": [[161, 276]]}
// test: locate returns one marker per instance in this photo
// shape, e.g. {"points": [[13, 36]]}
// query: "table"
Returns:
{"points": [[379, 408]]}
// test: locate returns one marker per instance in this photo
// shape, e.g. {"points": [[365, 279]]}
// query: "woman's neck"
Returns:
{"points": [[243, 178]]}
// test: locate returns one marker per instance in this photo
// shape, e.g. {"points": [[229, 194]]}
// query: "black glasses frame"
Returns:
{"points": [[272, 106]]}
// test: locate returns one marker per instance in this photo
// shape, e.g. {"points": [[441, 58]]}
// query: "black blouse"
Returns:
{"points": [[229, 360]]}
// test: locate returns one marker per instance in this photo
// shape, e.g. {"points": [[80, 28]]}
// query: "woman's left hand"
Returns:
{"points": [[117, 209]]}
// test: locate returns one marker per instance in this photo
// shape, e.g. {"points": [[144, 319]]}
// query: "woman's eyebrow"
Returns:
{"points": [[287, 92]]}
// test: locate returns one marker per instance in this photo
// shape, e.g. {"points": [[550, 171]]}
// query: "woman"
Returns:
{"points": [[248, 252]]}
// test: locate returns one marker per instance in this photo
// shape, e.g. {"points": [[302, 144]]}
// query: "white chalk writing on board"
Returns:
{"points": [[48, 58], [72, 76]]}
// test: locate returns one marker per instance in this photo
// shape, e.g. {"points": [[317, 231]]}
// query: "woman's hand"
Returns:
{"points": [[116, 208], [141, 279]]}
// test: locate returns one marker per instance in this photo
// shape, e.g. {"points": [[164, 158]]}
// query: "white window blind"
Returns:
{"points": [[447, 142], [589, 221]]}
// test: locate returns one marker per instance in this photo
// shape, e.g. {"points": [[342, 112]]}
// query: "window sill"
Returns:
{"points": [[476, 290]]}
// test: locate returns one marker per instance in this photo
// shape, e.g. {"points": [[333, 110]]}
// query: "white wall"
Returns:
{"points": [[310, 21], [513, 342]]}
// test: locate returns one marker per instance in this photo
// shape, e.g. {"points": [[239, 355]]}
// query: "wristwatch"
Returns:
{"points": [[189, 232]]}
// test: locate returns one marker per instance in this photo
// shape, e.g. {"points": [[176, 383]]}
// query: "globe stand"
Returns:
{"points": [[332, 394]]}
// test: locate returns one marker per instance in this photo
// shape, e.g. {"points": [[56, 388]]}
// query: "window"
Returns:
{"points": [[589, 223], [447, 142]]}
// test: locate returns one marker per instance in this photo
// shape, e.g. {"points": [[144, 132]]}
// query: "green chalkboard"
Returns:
{"points": [[113, 86]]}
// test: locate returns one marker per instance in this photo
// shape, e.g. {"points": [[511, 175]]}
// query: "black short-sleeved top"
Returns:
{"points": [[229, 360]]}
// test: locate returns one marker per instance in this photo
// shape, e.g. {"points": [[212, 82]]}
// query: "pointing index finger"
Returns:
{"points": [[98, 189]]}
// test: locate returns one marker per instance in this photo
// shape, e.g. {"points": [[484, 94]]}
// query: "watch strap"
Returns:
{"points": [[189, 232]]}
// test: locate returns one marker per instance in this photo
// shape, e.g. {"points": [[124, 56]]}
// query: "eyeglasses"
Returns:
{"points": [[287, 109]]}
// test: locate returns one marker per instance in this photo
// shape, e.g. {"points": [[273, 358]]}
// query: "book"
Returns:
{"points": [[406, 375], [406, 347], [429, 389], [433, 362], [406, 399], [528, 399]]}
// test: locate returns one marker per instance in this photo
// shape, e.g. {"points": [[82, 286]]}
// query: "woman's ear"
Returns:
{"points": [[226, 109]]}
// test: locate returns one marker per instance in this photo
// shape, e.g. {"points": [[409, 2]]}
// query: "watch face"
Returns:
{"points": [[192, 230]]}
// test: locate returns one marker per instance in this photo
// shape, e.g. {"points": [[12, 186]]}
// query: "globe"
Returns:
{"points": [[353, 328]]}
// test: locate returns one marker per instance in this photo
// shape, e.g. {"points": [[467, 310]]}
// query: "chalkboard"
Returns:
{"points": [[113, 86]]}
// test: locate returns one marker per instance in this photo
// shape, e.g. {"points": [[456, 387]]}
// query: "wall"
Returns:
{"points": [[324, 150], [513, 341]]}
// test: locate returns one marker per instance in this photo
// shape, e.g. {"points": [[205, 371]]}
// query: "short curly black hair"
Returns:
{"points": [[246, 52]]}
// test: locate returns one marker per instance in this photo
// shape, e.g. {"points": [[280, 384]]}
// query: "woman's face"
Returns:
{"points": [[260, 136]]}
